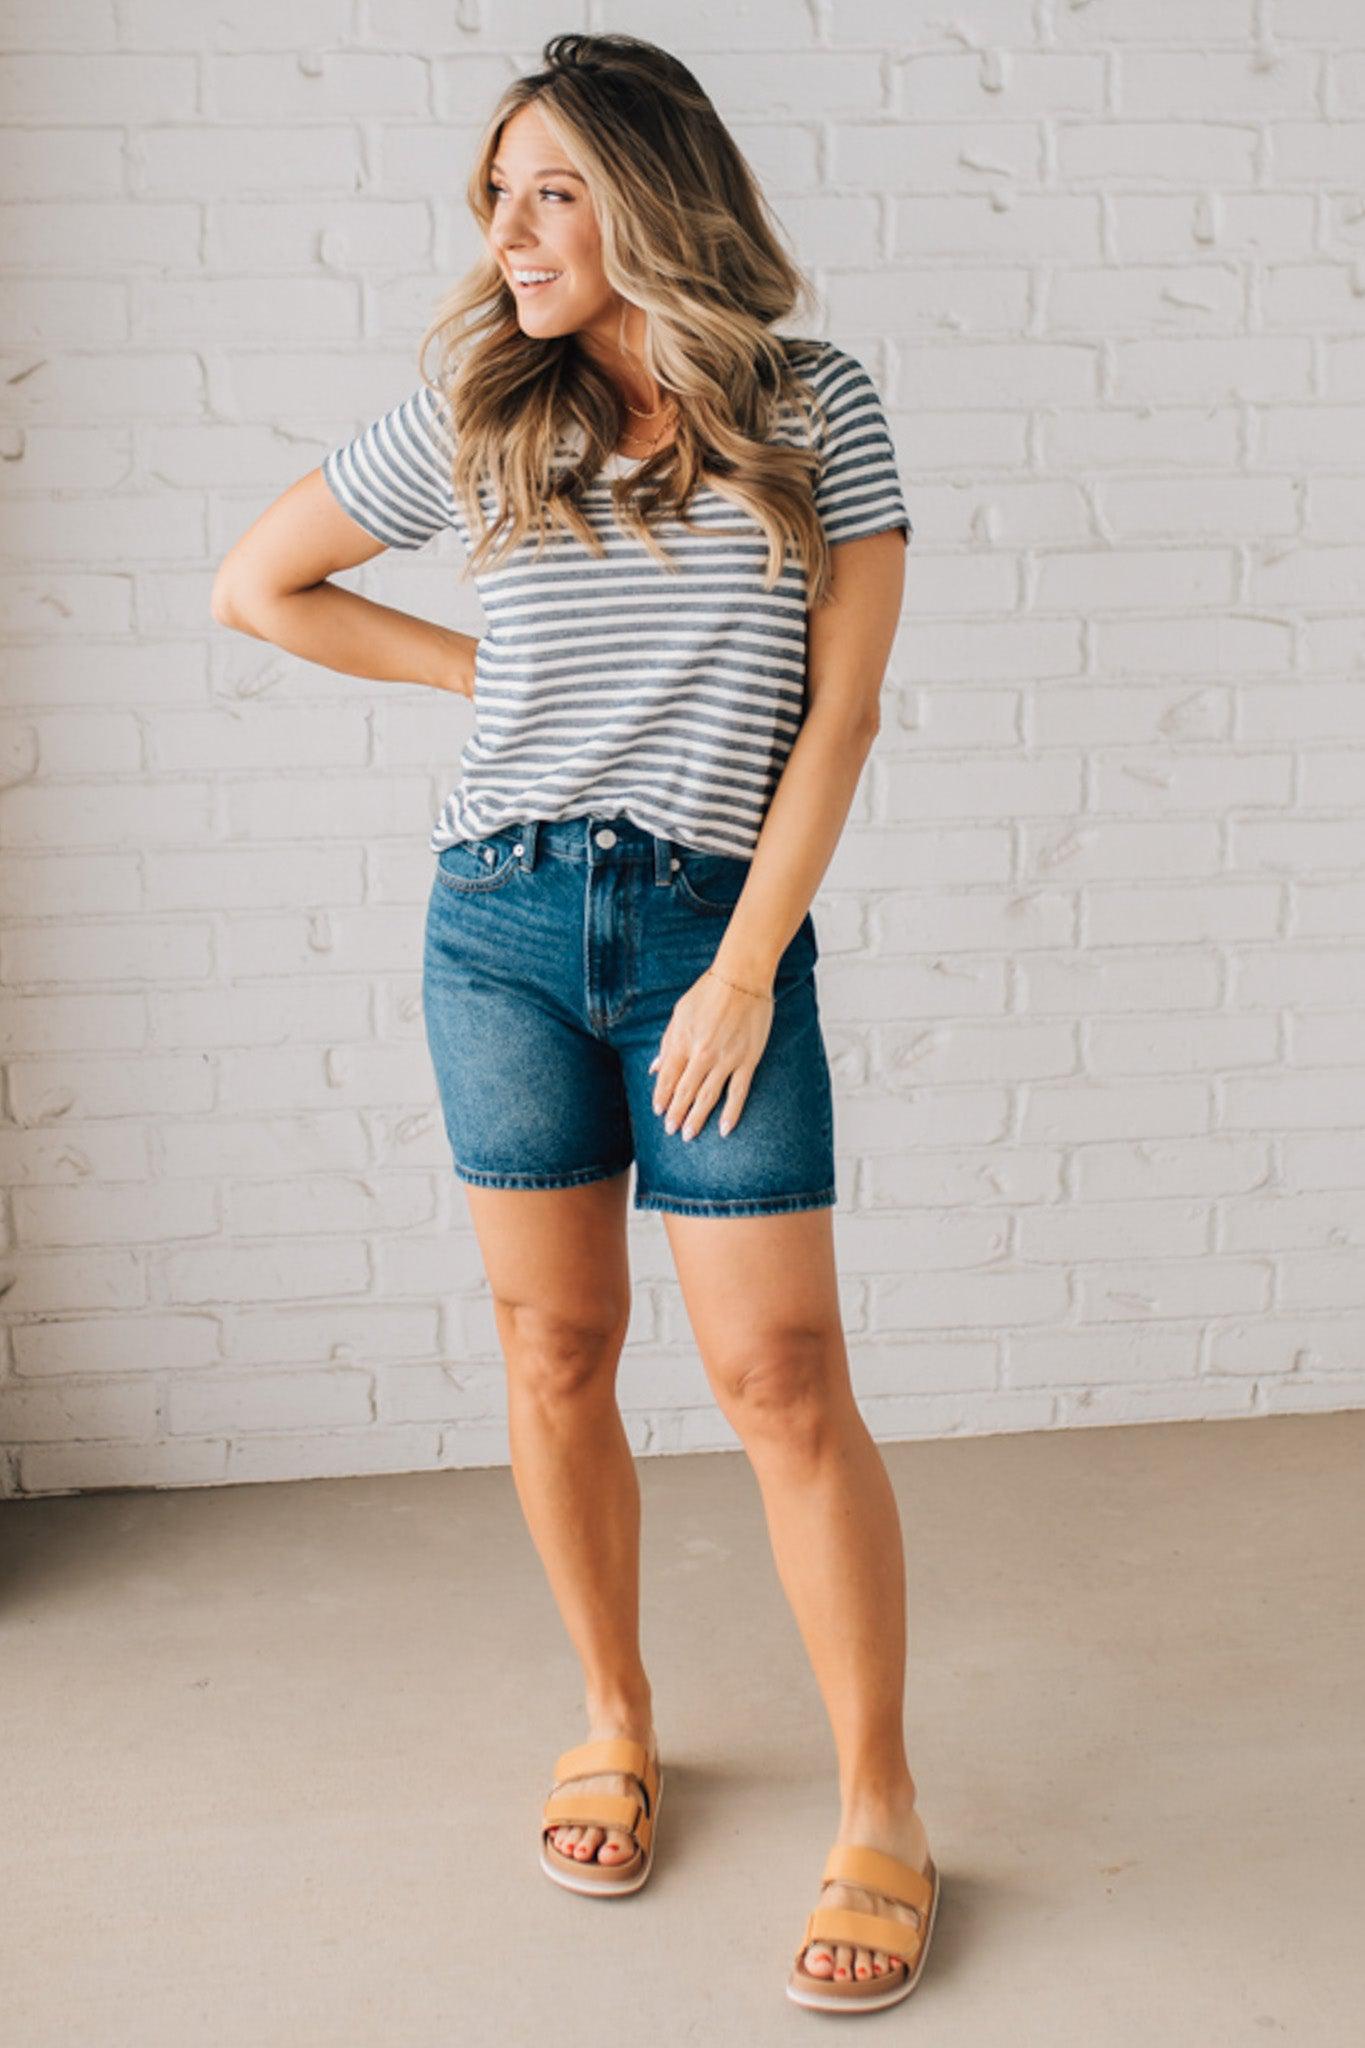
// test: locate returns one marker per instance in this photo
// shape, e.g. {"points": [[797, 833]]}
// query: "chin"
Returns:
{"points": [[546, 321], [546, 327]]}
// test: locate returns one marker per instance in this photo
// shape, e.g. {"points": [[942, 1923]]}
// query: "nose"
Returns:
{"points": [[505, 227], [512, 249]]}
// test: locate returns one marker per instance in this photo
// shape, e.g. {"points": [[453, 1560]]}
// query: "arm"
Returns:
{"points": [[849, 643], [716, 1035], [273, 585]]}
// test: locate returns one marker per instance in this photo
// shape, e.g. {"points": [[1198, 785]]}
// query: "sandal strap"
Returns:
{"points": [[612, 1753], [836, 1924], [878, 1872], [632, 1815]]}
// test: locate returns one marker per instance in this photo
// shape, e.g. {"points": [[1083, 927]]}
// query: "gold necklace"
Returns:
{"points": [[651, 445], [664, 407]]}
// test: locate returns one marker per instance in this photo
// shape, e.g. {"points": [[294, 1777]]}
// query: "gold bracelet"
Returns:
{"points": [[764, 995]]}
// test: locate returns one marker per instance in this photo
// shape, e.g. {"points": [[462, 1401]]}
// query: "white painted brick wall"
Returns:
{"points": [[1094, 944]]}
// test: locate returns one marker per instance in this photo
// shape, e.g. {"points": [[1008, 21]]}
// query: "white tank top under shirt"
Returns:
{"points": [[608, 684]]}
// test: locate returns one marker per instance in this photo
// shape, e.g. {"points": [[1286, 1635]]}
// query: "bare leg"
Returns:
{"points": [[762, 1296], [836, 1541], [556, 1261]]}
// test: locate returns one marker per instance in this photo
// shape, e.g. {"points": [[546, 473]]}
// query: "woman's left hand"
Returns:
{"points": [[716, 1034]]}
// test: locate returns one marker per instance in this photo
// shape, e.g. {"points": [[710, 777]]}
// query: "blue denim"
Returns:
{"points": [[555, 952]]}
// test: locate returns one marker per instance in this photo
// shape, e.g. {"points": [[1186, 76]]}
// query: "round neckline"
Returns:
{"points": [[613, 464]]}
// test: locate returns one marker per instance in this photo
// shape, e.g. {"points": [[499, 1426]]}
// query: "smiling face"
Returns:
{"points": [[542, 219]]}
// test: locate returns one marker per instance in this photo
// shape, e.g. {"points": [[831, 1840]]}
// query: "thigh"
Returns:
{"points": [[761, 1291], [557, 1261]]}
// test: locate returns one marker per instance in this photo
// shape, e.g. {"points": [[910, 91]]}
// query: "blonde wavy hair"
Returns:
{"points": [[687, 235]]}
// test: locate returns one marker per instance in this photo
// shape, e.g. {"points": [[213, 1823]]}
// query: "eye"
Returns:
{"points": [[547, 191]]}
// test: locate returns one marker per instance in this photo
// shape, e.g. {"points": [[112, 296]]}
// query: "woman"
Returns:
{"points": [[688, 535]]}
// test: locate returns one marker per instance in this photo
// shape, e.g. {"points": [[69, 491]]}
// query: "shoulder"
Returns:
{"points": [[429, 410], [822, 363], [844, 390], [857, 487], [417, 431], [808, 358]]}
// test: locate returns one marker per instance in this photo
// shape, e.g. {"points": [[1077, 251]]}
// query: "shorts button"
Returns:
{"points": [[675, 862], [518, 848], [606, 837], [489, 854]]}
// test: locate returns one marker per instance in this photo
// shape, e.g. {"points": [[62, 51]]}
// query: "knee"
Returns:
{"points": [[556, 1354], [788, 1390]]}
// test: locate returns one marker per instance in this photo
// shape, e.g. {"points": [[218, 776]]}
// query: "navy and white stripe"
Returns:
{"points": [[608, 684], [394, 478]]}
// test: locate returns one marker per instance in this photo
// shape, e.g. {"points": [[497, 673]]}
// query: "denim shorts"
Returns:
{"points": [[555, 951]]}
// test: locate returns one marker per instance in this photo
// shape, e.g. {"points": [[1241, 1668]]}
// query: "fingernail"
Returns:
{"points": [[670, 1126]]}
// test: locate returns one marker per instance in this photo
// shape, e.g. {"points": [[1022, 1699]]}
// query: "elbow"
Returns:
{"points": [[849, 720], [246, 607], [222, 604], [844, 726], [860, 731], [859, 737], [232, 606]]}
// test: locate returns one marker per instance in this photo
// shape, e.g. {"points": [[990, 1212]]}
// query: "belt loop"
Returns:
{"points": [[526, 831], [662, 865]]}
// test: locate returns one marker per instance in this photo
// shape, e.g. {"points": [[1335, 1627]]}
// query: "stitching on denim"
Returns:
{"points": [[631, 937], [757, 1205], [491, 1177], [688, 893], [478, 885]]}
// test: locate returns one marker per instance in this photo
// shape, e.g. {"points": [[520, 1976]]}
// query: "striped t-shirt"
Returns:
{"points": [[610, 684]]}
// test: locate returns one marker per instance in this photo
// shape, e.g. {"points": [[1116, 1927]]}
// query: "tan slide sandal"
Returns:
{"points": [[896, 1880], [637, 1816]]}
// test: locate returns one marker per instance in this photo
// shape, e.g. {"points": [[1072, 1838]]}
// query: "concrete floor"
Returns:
{"points": [[273, 1757]]}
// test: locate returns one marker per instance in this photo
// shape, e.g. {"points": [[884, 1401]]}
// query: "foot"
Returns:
{"points": [[901, 1835], [605, 1845]]}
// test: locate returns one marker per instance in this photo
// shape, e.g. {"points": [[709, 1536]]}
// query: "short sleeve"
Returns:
{"points": [[859, 488], [394, 476]]}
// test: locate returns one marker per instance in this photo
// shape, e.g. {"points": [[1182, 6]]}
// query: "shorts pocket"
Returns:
{"points": [[712, 881], [474, 866]]}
